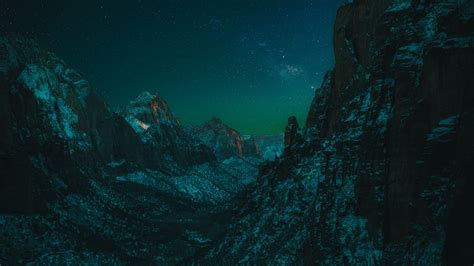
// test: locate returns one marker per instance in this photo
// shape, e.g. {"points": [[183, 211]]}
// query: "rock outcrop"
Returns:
{"points": [[164, 140], [291, 131], [80, 184], [380, 175], [48, 108], [383, 174], [271, 146], [225, 141]]}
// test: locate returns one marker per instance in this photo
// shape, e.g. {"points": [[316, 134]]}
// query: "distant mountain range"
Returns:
{"points": [[109, 187], [379, 174]]}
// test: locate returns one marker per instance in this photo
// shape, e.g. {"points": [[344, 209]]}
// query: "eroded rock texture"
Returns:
{"points": [[48, 108], [225, 141], [383, 171], [381, 174], [164, 140], [271, 146], [81, 184]]}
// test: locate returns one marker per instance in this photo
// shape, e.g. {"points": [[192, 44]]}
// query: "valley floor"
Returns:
{"points": [[145, 217]]}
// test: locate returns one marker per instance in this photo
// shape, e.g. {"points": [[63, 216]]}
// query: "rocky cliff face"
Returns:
{"points": [[291, 133], [382, 172], [164, 140], [48, 108], [225, 141], [80, 184], [380, 175], [271, 146]]}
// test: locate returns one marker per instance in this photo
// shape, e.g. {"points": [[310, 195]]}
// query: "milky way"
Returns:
{"points": [[251, 63]]}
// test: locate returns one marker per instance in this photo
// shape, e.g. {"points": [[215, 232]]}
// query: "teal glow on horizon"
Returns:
{"points": [[251, 63]]}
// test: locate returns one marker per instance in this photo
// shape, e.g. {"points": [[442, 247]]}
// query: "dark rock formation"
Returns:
{"points": [[291, 130], [47, 108], [225, 141], [381, 175], [80, 184], [250, 147], [384, 173], [271, 146]]}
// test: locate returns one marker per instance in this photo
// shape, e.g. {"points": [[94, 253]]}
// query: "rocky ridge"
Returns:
{"points": [[80, 183], [163, 137], [381, 173], [271, 146], [225, 141]]}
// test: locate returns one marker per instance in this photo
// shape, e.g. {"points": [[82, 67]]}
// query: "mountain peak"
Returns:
{"points": [[149, 109], [144, 97]]}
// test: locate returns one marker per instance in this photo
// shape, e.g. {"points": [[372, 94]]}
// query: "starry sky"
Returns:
{"points": [[251, 63]]}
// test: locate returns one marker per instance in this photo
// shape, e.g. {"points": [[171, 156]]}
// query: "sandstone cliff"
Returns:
{"points": [[382, 173], [225, 141], [164, 140]]}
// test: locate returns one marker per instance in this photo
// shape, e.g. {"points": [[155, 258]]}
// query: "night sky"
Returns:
{"points": [[250, 63]]}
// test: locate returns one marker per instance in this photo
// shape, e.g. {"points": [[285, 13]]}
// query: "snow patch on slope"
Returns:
{"points": [[49, 92]]}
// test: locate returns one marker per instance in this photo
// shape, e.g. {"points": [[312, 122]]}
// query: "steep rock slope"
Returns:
{"points": [[225, 141], [48, 108], [80, 184], [382, 173], [271, 146], [164, 140]]}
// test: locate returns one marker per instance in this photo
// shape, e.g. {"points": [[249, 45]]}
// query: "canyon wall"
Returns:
{"points": [[382, 172]]}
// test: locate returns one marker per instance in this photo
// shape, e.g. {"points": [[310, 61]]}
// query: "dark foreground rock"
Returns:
{"points": [[382, 173], [52, 121]]}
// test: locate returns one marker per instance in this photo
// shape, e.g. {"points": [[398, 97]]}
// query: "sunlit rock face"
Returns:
{"points": [[164, 140], [99, 188], [225, 141], [383, 175], [150, 110]]}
